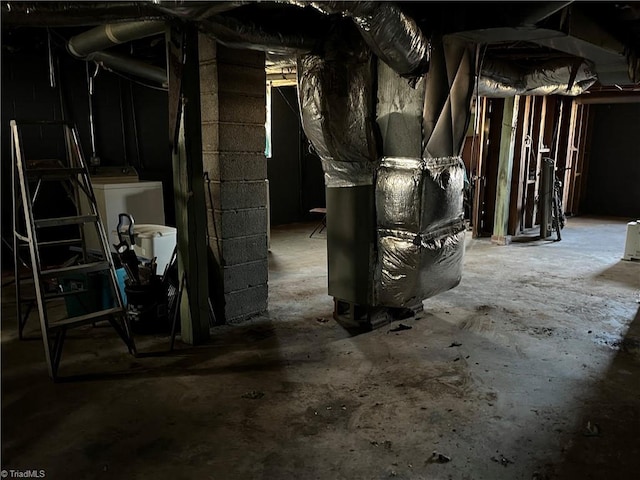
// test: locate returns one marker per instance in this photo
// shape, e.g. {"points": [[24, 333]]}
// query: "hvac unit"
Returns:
{"points": [[632, 245]]}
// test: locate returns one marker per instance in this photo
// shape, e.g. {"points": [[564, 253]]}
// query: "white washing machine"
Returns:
{"points": [[142, 200]]}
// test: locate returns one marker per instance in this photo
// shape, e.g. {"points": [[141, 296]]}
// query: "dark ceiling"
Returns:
{"points": [[604, 33]]}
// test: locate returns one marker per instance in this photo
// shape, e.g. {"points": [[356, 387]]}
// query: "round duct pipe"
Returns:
{"points": [[131, 66], [106, 36]]}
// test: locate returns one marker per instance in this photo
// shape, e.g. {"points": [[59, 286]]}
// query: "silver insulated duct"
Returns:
{"points": [[394, 37], [336, 104], [419, 199], [553, 77], [234, 33], [420, 230]]}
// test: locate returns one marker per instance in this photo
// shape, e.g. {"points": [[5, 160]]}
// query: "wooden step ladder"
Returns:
{"points": [[29, 179]]}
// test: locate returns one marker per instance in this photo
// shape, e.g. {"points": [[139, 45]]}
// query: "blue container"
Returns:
{"points": [[107, 300], [98, 295]]}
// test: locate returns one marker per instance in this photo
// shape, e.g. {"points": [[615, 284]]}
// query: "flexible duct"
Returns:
{"points": [[337, 116], [393, 36], [197, 10], [337, 108], [553, 77], [235, 33], [106, 36]]}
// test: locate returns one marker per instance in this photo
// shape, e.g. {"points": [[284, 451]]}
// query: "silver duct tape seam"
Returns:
{"points": [[441, 170], [412, 268], [347, 174], [419, 194], [435, 236], [577, 88]]}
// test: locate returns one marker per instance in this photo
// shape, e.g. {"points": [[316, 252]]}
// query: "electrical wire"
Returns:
{"points": [[295, 111], [135, 126]]}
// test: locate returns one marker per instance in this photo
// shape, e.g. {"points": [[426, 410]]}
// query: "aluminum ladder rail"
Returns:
{"points": [[73, 175]]}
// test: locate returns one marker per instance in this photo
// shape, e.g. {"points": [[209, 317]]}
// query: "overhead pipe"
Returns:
{"points": [[125, 64], [89, 46], [106, 36]]}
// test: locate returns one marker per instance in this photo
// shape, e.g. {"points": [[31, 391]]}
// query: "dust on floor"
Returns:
{"points": [[529, 369]]}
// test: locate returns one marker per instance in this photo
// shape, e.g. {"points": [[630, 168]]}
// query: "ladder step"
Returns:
{"points": [[52, 296], [84, 319], [57, 222], [56, 243], [79, 291], [83, 268], [53, 173], [60, 243]]}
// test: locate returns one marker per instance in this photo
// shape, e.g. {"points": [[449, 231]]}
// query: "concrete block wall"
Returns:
{"points": [[232, 87]]}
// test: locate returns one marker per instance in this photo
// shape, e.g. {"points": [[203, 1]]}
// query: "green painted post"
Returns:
{"points": [[505, 168]]}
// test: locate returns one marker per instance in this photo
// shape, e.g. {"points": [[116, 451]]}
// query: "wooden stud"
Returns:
{"points": [[481, 109], [519, 171], [583, 158], [491, 164], [570, 159]]}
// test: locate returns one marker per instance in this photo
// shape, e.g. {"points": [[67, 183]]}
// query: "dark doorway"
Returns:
{"points": [[614, 161], [296, 182]]}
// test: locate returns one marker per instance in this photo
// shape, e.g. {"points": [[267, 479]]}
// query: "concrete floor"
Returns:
{"points": [[502, 375]]}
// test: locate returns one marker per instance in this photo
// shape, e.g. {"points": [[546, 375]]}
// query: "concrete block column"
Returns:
{"points": [[233, 89]]}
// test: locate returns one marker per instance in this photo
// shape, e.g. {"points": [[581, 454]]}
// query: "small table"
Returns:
{"points": [[323, 223]]}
